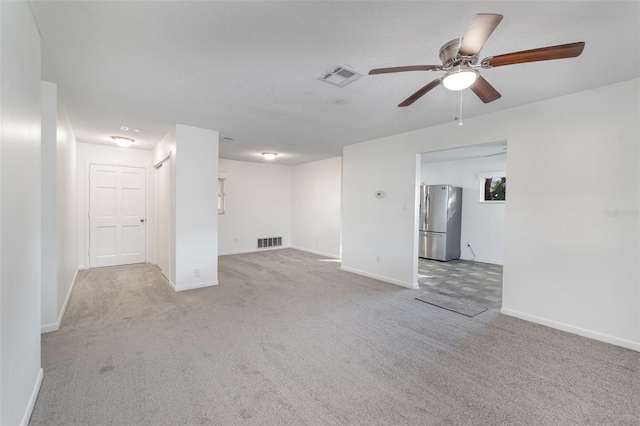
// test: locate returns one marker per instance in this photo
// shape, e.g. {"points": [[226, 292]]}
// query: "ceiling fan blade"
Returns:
{"points": [[411, 99], [406, 68], [485, 91], [560, 51], [478, 32]]}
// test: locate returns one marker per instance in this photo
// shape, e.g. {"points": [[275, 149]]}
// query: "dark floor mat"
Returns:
{"points": [[451, 304]]}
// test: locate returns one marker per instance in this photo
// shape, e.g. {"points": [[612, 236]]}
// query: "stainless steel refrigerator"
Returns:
{"points": [[440, 222]]}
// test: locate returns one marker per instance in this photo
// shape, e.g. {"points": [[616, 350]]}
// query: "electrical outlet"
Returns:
{"points": [[378, 258], [317, 240], [235, 240], [196, 273]]}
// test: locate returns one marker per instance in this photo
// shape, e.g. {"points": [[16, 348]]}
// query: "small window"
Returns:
{"points": [[220, 196], [493, 187]]}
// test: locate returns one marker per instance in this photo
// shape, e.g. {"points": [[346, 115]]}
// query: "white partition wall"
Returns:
{"points": [[315, 219], [572, 230], [20, 213], [59, 208], [193, 233], [196, 207]]}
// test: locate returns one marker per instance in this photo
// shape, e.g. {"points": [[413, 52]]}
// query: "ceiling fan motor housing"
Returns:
{"points": [[449, 55]]}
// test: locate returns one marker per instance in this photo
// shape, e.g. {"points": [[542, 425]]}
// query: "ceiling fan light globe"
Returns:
{"points": [[460, 79]]}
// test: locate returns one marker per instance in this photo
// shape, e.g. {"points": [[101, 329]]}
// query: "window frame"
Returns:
{"points": [[483, 177]]}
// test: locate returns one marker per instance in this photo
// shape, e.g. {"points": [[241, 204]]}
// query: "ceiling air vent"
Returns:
{"points": [[340, 76]]}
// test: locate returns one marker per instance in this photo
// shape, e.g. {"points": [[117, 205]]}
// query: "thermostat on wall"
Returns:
{"points": [[379, 194]]}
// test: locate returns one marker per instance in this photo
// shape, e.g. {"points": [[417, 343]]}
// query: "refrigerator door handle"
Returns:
{"points": [[426, 224]]}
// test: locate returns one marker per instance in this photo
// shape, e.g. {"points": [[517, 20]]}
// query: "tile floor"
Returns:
{"points": [[472, 282]]}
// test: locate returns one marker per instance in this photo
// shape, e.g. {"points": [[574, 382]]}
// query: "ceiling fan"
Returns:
{"points": [[460, 56]]}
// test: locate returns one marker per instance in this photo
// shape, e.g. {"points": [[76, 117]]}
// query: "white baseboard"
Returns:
{"points": [[226, 253], [574, 330], [380, 278], [55, 326], [482, 260], [172, 285], [193, 286], [32, 400], [319, 253]]}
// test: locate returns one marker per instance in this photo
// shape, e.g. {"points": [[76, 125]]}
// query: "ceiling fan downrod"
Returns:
{"points": [[459, 117]]}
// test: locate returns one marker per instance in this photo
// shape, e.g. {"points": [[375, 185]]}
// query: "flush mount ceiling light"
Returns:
{"points": [[269, 155], [460, 78], [122, 141]]}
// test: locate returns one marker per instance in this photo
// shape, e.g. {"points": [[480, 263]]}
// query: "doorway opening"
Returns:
{"points": [[471, 272], [162, 172]]}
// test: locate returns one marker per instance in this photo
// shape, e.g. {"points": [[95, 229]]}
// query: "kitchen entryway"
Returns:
{"points": [[472, 282]]}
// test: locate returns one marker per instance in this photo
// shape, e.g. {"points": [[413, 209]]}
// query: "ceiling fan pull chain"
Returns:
{"points": [[460, 115]]}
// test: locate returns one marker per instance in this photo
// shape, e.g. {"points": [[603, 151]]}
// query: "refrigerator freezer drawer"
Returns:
{"points": [[432, 245], [438, 246]]}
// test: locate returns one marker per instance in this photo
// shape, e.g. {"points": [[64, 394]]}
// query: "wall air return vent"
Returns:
{"points": [[269, 242], [340, 76]]}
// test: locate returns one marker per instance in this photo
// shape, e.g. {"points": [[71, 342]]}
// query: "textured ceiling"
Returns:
{"points": [[250, 69]]}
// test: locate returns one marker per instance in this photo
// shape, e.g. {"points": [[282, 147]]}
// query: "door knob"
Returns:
{"points": [[141, 220]]}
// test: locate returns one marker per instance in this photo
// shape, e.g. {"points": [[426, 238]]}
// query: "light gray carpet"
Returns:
{"points": [[451, 304], [288, 338]]}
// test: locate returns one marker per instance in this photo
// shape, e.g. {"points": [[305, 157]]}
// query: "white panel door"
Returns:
{"points": [[117, 215]]}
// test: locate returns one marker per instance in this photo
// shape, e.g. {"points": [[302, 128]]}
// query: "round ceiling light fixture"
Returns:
{"points": [[122, 141], [460, 78], [269, 155]]}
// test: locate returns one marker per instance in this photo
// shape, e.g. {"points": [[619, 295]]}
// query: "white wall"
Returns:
{"points": [[49, 204], [101, 154], [379, 237], [194, 204], [257, 205], [59, 209], [571, 160], [66, 179], [482, 223], [196, 207], [20, 215], [315, 221]]}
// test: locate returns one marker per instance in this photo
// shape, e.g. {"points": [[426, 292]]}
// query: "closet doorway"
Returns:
{"points": [[163, 216]]}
